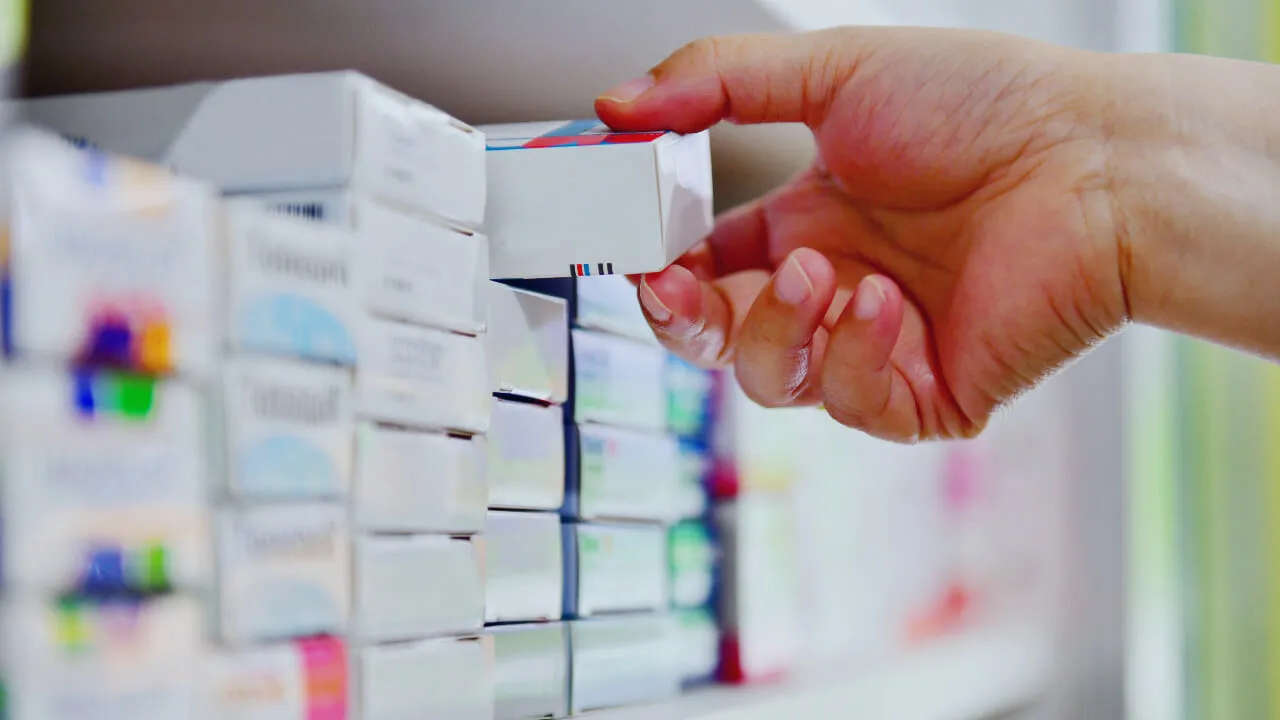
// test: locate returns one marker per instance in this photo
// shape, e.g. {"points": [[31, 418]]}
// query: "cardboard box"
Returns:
{"points": [[698, 640], [761, 591], [528, 344], [79, 659], [531, 676], [607, 303], [107, 261], [526, 460], [614, 568], [103, 483], [289, 429], [292, 287], [284, 572], [694, 558], [413, 269], [623, 661], [443, 679], [618, 382], [323, 130], [420, 377], [618, 474], [691, 400], [576, 199], [409, 481], [695, 478], [415, 586], [301, 680], [524, 565]]}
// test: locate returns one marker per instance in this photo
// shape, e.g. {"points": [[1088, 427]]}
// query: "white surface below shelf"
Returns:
{"points": [[974, 674]]}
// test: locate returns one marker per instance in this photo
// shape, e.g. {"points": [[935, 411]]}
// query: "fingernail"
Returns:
{"points": [[629, 90], [792, 284], [653, 304], [869, 300]]}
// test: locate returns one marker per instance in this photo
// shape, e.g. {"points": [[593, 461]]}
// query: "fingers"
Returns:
{"points": [[782, 339], [861, 385], [698, 320], [743, 79]]}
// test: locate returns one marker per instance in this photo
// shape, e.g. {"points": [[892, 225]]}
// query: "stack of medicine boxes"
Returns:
{"points": [[403, 184], [107, 302], [529, 349]]}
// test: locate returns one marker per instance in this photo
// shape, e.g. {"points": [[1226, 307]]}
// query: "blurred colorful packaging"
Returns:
{"points": [[298, 680], [105, 261], [104, 486], [65, 659]]}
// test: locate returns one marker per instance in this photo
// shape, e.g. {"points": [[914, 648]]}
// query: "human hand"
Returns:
{"points": [[955, 241]]}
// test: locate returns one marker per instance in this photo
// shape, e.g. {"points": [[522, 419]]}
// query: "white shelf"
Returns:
{"points": [[972, 675]]}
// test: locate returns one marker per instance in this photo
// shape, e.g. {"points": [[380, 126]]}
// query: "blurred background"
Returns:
{"points": [[1111, 547]]}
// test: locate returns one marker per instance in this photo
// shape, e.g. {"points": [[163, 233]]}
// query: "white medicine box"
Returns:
{"points": [[290, 132], [575, 199]]}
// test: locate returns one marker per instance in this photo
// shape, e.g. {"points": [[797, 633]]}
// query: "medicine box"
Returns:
{"points": [[105, 261], [693, 556], [623, 661], [613, 568], [422, 377], [300, 680], [618, 382], [283, 572], [440, 679], [531, 670], [413, 269], [101, 482], [698, 641], [322, 130], [412, 481], [760, 600], [409, 587], [292, 287], [691, 400], [618, 474], [608, 303], [573, 198], [524, 566], [526, 456], [289, 428], [528, 344], [74, 658], [695, 479]]}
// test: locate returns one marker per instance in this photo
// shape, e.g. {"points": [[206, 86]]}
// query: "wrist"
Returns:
{"points": [[1193, 153]]}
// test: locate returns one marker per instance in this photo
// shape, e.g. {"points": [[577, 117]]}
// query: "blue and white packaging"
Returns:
{"points": [[103, 482], [610, 304], [290, 132], [409, 587], [440, 679], [524, 567], [284, 572], [106, 261], [623, 661], [292, 287], [618, 474], [528, 344], [74, 659], [692, 496], [413, 269], [526, 456], [422, 377], [698, 640], [618, 381], [531, 671], [413, 481], [614, 568], [289, 428]]}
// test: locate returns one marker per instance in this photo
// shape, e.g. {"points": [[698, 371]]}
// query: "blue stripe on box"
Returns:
{"points": [[573, 128]]}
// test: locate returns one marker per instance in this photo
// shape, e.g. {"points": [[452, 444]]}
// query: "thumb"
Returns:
{"points": [[742, 78]]}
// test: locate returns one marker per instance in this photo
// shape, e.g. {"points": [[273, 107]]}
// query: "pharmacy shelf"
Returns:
{"points": [[976, 674]]}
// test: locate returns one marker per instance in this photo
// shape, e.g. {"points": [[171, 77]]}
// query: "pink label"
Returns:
{"points": [[324, 661]]}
